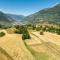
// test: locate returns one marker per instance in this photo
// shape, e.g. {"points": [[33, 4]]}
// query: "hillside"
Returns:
{"points": [[10, 19], [48, 15], [12, 47], [4, 20], [16, 17]]}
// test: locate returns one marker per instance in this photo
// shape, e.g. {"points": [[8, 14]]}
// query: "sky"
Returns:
{"points": [[25, 7]]}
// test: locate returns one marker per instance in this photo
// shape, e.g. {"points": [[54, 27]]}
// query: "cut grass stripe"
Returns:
{"points": [[36, 55], [5, 53]]}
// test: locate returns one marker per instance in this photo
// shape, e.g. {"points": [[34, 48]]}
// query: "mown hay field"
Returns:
{"points": [[39, 47]]}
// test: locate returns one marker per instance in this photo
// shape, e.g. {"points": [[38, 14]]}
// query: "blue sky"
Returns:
{"points": [[25, 7]]}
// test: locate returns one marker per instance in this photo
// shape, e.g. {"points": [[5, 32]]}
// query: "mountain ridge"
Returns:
{"points": [[48, 15], [16, 17], [10, 19], [51, 14], [4, 20]]}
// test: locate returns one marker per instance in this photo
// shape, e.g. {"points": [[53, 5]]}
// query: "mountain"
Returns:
{"points": [[48, 15], [4, 19], [9, 19], [16, 17]]}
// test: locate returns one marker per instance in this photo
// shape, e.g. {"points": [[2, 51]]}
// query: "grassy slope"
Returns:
{"points": [[4, 55], [37, 55], [48, 49], [33, 49], [13, 44]]}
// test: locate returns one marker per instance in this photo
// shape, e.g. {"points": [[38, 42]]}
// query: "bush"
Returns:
{"points": [[38, 28], [41, 32], [33, 27], [58, 31], [18, 31], [23, 30], [17, 26], [2, 34], [25, 36]]}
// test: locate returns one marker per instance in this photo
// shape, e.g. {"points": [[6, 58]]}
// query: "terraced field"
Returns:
{"points": [[39, 47]]}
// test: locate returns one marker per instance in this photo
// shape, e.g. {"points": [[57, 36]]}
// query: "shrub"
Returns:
{"points": [[38, 28], [0, 26], [25, 36], [41, 32], [23, 30], [18, 31], [17, 26], [44, 28], [58, 31], [33, 27], [5, 27], [2, 34]]}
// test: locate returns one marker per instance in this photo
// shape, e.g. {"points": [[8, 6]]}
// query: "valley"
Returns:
{"points": [[29, 30]]}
